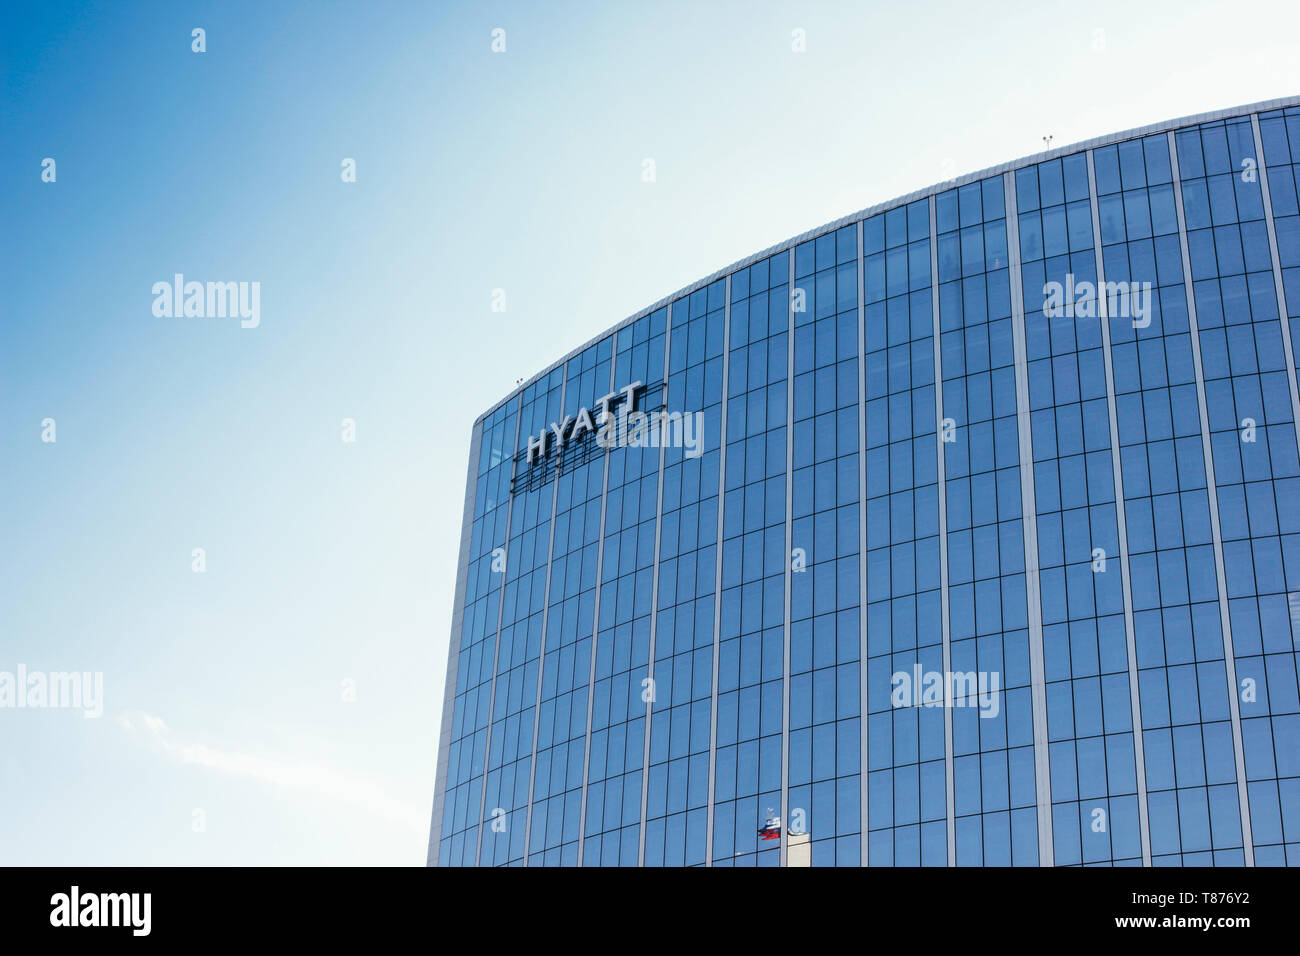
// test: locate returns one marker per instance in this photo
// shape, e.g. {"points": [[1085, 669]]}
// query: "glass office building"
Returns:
{"points": [[986, 552]]}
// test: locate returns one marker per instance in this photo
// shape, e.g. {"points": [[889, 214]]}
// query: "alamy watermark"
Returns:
{"points": [[211, 300], [656, 429], [618, 423], [127, 910], [56, 690], [917, 688], [1081, 300]]}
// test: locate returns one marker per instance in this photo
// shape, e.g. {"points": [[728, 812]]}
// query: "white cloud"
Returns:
{"points": [[289, 774]]}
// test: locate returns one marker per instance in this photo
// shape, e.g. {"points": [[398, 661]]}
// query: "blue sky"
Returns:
{"points": [[330, 561]]}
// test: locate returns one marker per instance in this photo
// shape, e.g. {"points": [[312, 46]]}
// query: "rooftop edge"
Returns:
{"points": [[869, 211]]}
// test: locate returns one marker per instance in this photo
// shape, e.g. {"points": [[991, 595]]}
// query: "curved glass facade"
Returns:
{"points": [[962, 531]]}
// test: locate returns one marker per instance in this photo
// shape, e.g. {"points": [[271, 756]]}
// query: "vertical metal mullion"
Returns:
{"points": [[717, 584], [1229, 659], [496, 649], [453, 650], [595, 620], [654, 601], [949, 754], [546, 611], [1121, 521], [1029, 522], [789, 543], [864, 775], [1283, 319]]}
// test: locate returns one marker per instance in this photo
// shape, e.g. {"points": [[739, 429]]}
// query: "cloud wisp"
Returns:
{"points": [[299, 776]]}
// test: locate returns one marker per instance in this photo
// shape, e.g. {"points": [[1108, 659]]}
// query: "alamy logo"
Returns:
{"points": [[618, 423], [1074, 299], [59, 690], [211, 300], [102, 909], [657, 429], [950, 689]]}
